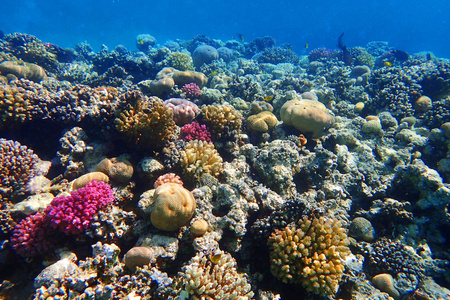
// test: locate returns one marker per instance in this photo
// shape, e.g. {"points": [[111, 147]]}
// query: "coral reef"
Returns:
{"points": [[200, 157], [173, 206], [145, 122], [213, 276], [311, 254], [223, 120], [17, 167], [73, 214]]}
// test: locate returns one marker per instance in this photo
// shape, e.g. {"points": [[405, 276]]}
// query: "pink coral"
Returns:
{"points": [[184, 111], [168, 178], [195, 131], [73, 214], [32, 236], [192, 90]]}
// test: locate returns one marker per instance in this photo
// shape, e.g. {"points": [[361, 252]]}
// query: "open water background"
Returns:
{"points": [[413, 25]]}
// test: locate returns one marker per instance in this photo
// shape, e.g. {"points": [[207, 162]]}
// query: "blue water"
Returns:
{"points": [[413, 26]]}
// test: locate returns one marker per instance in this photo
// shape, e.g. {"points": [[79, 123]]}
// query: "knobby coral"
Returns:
{"points": [[223, 120], [311, 253], [145, 122], [17, 167], [195, 131], [201, 157], [73, 214], [213, 276]]}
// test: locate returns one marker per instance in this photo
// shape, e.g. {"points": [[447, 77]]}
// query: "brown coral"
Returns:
{"points": [[118, 169], [173, 207], [311, 254], [145, 122], [223, 120], [200, 157], [22, 69]]}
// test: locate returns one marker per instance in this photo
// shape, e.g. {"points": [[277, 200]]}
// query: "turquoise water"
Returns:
{"points": [[412, 26]]}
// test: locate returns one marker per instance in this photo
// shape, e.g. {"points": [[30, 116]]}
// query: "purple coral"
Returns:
{"points": [[319, 53], [32, 236], [195, 131], [73, 214], [192, 90], [184, 111]]}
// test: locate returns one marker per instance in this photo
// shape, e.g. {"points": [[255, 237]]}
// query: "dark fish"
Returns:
{"points": [[347, 57], [400, 55], [2, 35], [241, 37], [429, 57]]}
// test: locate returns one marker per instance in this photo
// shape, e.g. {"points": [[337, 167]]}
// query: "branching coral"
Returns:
{"points": [[223, 120], [209, 276], [17, 164], [145, 122], [201, 157], [311, 253]]}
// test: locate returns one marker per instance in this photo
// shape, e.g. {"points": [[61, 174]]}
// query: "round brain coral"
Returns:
{"points": [[74, 213], [311, 254], [262, 122], [173, 207], [308, 116]]}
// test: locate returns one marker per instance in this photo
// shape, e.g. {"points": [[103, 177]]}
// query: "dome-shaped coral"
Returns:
{"points": [[262, 122], [308, 116], [201, 157], [145, 122], [118, 169], [173, 206], [311, 254]]}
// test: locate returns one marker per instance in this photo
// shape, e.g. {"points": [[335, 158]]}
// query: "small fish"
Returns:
{"points": [[268, 98], [387, 64], [214, 73], [306, 45], [216, 256], [241, 37], [140, 42]]}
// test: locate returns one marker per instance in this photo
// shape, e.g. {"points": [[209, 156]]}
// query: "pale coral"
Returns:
{"points": [[201, 157], [308, 116], [262, 122]]}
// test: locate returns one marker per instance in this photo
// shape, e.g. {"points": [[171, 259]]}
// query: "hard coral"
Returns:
{"points": [[308, 116], [179, 60], [17, 167], [209, 276], [22, 69], [73, 214], [223, 120], [166, 178], [195, 131], [32, 236], [262, 122], [145, 122], [184, 111], [311, 253], [201, 157], [173, 206], [192, 90]]}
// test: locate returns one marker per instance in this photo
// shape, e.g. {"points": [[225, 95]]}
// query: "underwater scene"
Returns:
{"points": [[199, 150]]}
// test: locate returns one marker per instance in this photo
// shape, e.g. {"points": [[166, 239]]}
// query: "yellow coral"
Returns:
{"points": [[262, 122], [200, 157], [206, 278], [311, 254], [223, 120], [145, 122]]}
